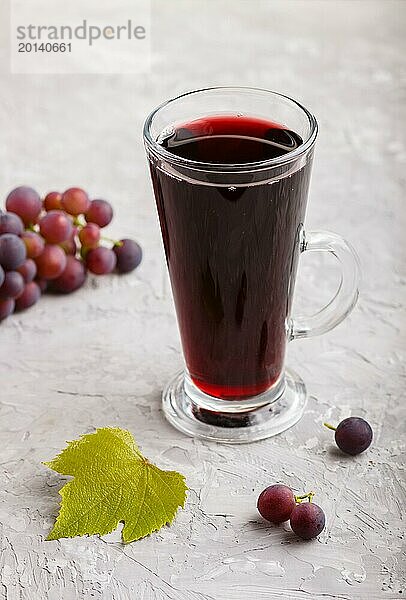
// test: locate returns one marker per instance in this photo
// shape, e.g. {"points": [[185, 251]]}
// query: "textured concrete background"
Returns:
{"points": [[102, 356]]}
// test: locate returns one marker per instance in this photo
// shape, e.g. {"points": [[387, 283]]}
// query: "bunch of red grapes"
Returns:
{"points": [[51, 244]]}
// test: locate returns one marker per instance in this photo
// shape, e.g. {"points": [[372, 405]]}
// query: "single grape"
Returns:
{"points": [[276, 502], [89, 235], [129, 255], [69, 246], [75, 201], [101, 260], [12, 251], [72, 278], [55, 227], [11, 223], [51, 263], [52, 201], [34, 243], [42, 284], [2, 275], [353, 435], [30, 296], [6, 308], [24, 202], [13, 285], [28, 270], [99, 212], [307, 520]]}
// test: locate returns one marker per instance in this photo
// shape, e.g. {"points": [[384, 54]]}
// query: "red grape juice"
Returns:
{"points": [[232, 251]]}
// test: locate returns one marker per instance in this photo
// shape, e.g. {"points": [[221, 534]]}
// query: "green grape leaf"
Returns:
{"points": [[113, 482]]}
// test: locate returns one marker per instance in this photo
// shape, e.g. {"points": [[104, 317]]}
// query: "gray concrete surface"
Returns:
{"points": [[101, 356]]}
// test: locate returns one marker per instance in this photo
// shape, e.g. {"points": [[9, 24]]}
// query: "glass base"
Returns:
{"points": [[234, 422]]}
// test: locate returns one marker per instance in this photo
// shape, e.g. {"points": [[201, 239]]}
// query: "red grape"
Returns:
{"points": [[6, 308], [28, 270], [13, 285], [55, 227], [12, 251], [89, 235], [75, 201], [24, 202], [276, 503], [42, 284], [307, 520], [34, 243], [101, 260], [52, 201], [2, 275], [69, 246], [353, 435], [51, 263], [30, 296], [99, 212], [129, 255], [11, 223], [72, 278]]}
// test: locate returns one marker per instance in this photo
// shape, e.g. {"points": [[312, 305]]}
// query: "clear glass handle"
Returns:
{"points": [[347, 293]]}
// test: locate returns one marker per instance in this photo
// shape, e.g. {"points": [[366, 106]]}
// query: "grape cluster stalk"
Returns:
{"points": [[51, 243]]}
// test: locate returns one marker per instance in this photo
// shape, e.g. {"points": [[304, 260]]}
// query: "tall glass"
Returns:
{"points": [[233, 232]]}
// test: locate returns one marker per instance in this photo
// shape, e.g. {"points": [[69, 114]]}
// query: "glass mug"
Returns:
{"points": [[231, 210]]}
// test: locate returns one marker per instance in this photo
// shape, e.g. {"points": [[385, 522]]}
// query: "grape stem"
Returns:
{"points": [[330, 426], [299, 499], [114, 242]]}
